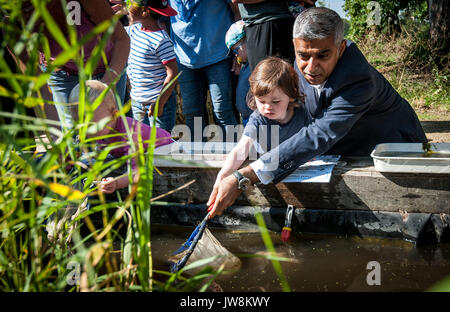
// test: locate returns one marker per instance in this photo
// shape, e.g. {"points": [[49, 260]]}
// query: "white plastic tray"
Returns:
{"points": [[410, 158]]}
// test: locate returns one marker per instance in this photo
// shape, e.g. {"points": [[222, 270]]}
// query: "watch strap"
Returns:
{"points": [[238, 175]]}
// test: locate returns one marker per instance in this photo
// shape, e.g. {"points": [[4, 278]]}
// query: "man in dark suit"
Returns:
{"points": [[352, 105]]}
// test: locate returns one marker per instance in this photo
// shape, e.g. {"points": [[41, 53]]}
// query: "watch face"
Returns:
{"points": [[244, 183]]}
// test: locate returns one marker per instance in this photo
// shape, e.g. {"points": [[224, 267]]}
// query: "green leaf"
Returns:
{"points": [[442, 286], [270, 248], [199, 263], [100, 125]]}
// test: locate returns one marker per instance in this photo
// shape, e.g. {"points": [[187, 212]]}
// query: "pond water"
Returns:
{"points": [[322, 263]]}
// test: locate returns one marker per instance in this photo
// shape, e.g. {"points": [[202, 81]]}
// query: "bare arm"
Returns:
{"points": [[225, 183], [172, 71], [110, 184], [235, 159], [235, 9]]}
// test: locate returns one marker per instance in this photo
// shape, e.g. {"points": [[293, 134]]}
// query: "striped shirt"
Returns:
{"points": [[149, 52]]}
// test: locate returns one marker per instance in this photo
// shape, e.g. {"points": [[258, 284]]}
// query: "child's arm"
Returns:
{"points": [[110, 184], [235, 159], [172, 71]]}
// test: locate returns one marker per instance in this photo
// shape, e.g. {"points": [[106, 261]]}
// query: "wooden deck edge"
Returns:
{"points": [[418, 228]]}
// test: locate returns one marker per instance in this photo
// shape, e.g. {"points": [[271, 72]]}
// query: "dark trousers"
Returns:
{"points": [[272, 38]]}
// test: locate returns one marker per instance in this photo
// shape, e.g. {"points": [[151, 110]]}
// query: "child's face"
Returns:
{"points": [[274, 105]]}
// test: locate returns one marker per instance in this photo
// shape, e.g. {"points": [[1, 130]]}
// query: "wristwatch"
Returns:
{"points": [[243, 182]]}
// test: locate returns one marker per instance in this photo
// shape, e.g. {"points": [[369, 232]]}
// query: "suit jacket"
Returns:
{"points": [[356, 110]]}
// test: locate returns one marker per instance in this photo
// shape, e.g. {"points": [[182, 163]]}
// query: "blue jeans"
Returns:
{"points": [[61, 84], [193, 84], [166, 121]]}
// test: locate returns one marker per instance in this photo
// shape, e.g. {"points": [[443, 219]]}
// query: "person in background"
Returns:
{"points": [[64, 78], [151, 63], [352, 105], [277, 102], [107, 113], [197, 32], [235, 41], [268, 27]]}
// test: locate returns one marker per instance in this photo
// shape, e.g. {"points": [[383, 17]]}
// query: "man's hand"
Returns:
{"points": [[225, 191], [108, 185], [223, 196]]}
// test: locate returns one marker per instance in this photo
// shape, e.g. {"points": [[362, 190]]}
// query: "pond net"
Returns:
{"points": [[200, 245]]}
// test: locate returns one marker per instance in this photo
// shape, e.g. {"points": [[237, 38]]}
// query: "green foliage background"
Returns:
{"points": [[401, 50], [390, 14]]}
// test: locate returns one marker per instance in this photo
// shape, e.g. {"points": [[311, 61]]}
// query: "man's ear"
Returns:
{"points": [[342, 47]]}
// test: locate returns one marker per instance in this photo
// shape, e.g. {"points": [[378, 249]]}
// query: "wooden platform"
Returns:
{"points": [[355, 185], [358, 200]]}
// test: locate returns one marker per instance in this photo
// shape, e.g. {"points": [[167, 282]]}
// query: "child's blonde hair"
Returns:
{"points": [[271, 73], [94, 88]]}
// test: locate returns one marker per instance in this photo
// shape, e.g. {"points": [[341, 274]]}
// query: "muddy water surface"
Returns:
{"points": [[322, 263]]}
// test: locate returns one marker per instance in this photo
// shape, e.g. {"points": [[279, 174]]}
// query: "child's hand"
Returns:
{"points": [[152, 108], [108, 185], [218, 180], [212, 196]]}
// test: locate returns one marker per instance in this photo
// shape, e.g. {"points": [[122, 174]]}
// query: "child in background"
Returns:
{"points": [[235, 41], [151, 62], [276, 100], [107, 111]]}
